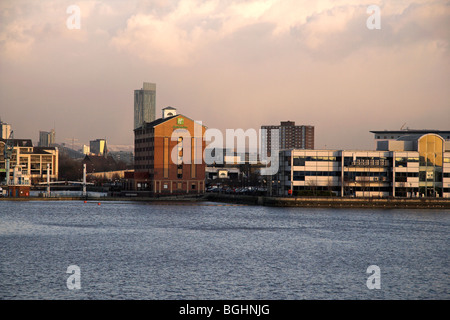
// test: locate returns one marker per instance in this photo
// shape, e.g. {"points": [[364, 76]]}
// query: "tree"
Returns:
{"points": [[69, 169], [312, 186]]}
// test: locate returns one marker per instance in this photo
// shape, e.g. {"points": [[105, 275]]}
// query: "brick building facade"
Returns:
{"points": [[169, 156]]}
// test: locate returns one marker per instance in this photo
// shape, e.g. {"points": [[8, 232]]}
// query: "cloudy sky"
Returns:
{"points": [[231, 64]]}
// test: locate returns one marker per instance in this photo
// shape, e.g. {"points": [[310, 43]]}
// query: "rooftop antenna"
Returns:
{"points": [[403, 126]]}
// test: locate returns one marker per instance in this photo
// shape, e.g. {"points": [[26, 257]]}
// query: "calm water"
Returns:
{"points": [[206, 251]]}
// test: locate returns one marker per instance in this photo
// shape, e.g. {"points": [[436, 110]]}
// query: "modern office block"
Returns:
{"points": [[415, 165]]}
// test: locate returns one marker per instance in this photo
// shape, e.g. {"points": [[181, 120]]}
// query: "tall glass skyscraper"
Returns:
{"points": [[144, 104]]}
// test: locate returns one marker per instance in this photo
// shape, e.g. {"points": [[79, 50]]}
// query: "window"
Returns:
{"points": [[166, 158], [401, 162], [299, 176], [299, 161]]}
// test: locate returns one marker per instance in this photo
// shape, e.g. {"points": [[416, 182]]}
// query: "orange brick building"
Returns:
{"points": [[169, 155]]}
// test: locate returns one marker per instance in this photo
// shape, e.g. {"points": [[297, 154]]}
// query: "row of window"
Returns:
{"points": [[406, 174], [144, 140], [300, 161], [366, 161], [337, 188], [348, 161], [144, 149], [140, 167], [300, 174], [399, 176], [349, 174], [369, 161], [143, 158]]}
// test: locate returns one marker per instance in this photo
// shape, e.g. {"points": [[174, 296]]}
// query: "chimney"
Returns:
{"points": [[168, 112]]}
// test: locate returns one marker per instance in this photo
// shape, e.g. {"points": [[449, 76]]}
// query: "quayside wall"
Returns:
{"points": [[321, 202], [333, 202]]}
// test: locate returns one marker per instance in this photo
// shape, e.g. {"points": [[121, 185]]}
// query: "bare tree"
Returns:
{"points": [[312, 184], [365, 184], [330, 185]]}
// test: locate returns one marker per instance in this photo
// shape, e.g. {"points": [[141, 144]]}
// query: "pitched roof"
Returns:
{"points": [[162, 120], [154, 123]]}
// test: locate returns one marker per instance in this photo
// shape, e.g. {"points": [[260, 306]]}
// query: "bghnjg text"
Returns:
{"points": [[236, 309]]}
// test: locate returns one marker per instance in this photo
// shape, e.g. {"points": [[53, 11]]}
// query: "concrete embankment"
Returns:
{"points": [[327, 202], [320, 202], [181, 199]]}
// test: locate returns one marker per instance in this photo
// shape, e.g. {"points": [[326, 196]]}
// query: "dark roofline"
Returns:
{"points": [[155, 123], [162, 120], [16, 142], [410, 131]]}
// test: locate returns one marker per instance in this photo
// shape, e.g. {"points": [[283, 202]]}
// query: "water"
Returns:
{"points": [[129, 250]]}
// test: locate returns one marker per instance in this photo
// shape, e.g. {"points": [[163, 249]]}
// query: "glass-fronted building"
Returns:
{"points": [[410, 166]]}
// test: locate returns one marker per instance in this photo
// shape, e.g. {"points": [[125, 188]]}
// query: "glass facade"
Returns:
{"points": [[419, 169], [431, 151]]}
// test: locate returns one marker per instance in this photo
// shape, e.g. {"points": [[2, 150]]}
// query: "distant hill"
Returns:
{"points": [[74, 154]]}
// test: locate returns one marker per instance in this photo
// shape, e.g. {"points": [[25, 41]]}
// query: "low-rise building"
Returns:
{"points": [[33, 161], [411, 166]]}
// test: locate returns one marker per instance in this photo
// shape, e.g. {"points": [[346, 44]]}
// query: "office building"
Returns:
{"points": [[46, 139], [413, 165], [291, 136], [85, 149], [98, 147], [156, 171], [5, 130], [144, 104]]}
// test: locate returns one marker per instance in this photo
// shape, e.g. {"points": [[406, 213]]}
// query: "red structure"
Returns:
{"points": [[19, 191], [158, 144]]}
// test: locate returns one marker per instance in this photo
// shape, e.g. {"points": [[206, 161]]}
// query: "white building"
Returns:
{"points": [[32, 161], [411, 166]]}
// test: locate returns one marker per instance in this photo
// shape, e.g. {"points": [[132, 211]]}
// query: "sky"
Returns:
{"points": [[230, 64]]}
